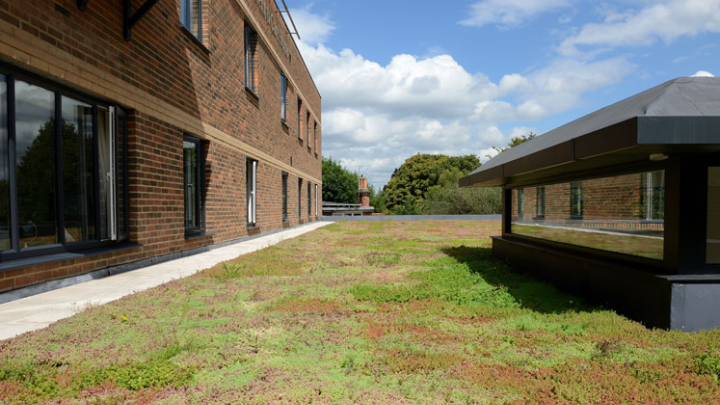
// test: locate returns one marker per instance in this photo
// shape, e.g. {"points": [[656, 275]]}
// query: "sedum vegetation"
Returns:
{"points": [[362, 313]]}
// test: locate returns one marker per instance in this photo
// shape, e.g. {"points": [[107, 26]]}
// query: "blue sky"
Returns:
{"points": [[458, 77]]}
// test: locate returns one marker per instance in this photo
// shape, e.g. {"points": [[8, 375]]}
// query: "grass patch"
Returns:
{"points": [[365, 313]]}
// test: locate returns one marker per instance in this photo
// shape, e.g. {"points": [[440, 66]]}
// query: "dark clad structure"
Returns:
{"points": [[623, 204]]}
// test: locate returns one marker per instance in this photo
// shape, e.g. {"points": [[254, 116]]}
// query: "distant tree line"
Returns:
{"points": [[425, 184]]}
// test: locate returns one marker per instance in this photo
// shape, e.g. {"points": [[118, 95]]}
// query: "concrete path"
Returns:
{"points": [[39, 311]]}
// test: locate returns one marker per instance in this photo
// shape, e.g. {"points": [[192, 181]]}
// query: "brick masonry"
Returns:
{"points": [[171, 85]]}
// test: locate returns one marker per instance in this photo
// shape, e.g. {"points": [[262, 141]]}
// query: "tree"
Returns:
{"points": [[413, 179], [377, 200], [339, 184]]}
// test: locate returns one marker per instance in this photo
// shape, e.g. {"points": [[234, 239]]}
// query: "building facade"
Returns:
{"points": [[133, 132]]}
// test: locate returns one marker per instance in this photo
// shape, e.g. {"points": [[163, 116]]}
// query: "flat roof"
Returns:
{"points": [[677, 116]]}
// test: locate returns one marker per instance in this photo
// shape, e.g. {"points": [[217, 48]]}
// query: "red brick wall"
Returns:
{"points": [[619, 197], [170, 85]]}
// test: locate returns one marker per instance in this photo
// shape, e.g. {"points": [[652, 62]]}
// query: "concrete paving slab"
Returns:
{"points": [[41, 310]]}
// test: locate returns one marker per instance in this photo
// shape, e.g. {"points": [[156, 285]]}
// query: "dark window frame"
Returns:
{"points": [[283, 97], [309, 194], [251, 60], [576, 199], [251, 166], [121, 167], [307, 131], [199, 186], [300, 183], [299, 123], [187, 21], [285, 196], [540, 202]]}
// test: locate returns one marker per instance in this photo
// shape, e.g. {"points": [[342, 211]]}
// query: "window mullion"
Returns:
{"points": [[14, 215], [96, 174]]}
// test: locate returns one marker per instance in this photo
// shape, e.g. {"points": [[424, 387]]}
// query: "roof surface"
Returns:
{"points": [[680, 97]]}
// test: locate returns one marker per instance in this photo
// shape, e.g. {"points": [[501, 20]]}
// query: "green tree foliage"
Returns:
{"points": [[413, 179], [339, 184], [377, 200]]}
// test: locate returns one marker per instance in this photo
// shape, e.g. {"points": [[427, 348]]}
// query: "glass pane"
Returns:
{"points": [[5, 242], [35, 143], [309, 200], [284, 196], [105, 172], [77, 163], [190, 181], [609, 213], [713, 221]]}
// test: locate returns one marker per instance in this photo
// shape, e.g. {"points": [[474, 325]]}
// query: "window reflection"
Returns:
{"points": [[622, 214], [713, 221], [5, 243], [35, 143], [77, 163]]}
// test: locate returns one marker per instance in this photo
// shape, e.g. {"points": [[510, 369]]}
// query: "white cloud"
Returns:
{"points": [[508, 13], [703, 73], [312, 28], [664, 21], [376, 116]]}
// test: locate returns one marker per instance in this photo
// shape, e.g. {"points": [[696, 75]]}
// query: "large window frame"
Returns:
{"points": [[116, 212], [576, 199], [193, 187]]}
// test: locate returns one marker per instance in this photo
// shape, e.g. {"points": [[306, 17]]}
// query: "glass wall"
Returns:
{"points": [[59, 186], [5, 240], [35, 167], [713, 217], [623, 214]]}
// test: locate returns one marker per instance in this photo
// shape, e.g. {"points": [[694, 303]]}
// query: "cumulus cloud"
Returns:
{"points": [[703, 73], [312, 28], [377, 115], [664, 21], [509, 13]]}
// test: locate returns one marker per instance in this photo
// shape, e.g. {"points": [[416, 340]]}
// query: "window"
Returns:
{"points": [[283, 97], [285, 196], [192, 181], [520, 202], [655, 190], [316, 200], [611, 216], [576, 199], [713, 217], [191, 17], [307, 130], [309, 204], [299, 118], [63, 187], [540, 202], [315, 137], [251, 186], [251, 68], [299, 198]]}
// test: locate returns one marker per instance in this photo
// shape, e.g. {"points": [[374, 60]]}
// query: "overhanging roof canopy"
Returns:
{"points": [[679, 116]]}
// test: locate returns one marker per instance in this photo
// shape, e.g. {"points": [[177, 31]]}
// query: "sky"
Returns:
{"points": [[458, 77]]}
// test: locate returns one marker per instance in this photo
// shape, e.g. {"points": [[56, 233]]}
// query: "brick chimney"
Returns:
{"points": [[363, 192]]}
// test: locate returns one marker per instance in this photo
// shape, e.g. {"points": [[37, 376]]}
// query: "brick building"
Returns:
{"points": [[622, 205], [138, 131]]}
